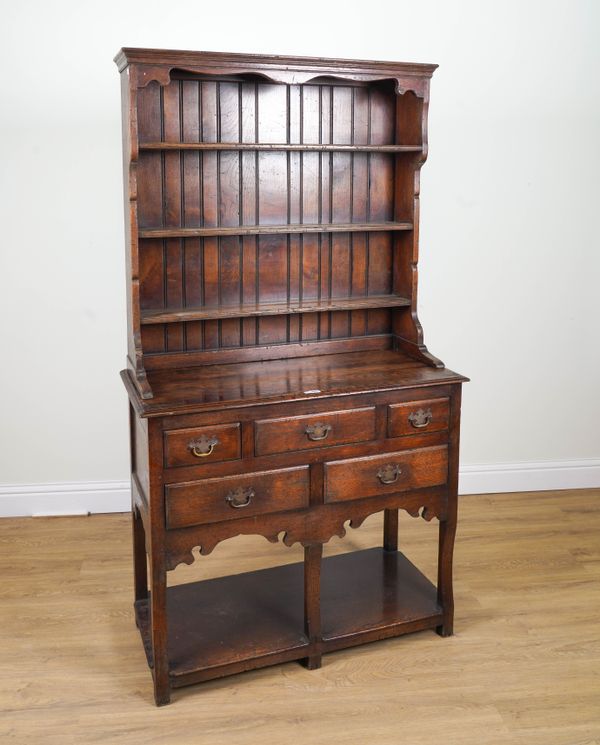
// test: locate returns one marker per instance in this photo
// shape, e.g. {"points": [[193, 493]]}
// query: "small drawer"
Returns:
{"points": [[200, 445], [314, 431], [385, 474], [417, 417], [231, 497]]}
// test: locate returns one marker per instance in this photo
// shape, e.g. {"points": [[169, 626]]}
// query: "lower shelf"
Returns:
{"points": [[224, 626]]}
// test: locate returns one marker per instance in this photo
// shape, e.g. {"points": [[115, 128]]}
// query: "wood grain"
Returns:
{"points": [[205, 501], [275, 217], [284, 147], [290, 433], [523, 661], [401, 425], [413, 469], [265, 229], [266, 201], [203, 313], [194, 388], [178, 445]]}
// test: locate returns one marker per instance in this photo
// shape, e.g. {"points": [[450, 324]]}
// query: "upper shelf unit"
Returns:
{"points": [[271, 206]]}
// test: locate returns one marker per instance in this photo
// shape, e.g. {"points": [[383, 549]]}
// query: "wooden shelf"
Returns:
{"points": [[204, 313], [333, 368], [280, 147], [374, 594], [353, 227], [241, 622]]}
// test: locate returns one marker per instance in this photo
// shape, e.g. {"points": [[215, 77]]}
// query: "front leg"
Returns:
{"points": [[158, 619]]}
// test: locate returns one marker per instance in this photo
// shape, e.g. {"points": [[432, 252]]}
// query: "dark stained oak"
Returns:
{"points": [[324, 429], [274, 147], [304, 228], [235, 497], [299, 378], [278, 380], [226, 625], [273, 309], [385, 474], [202, 445], [429, 415]]}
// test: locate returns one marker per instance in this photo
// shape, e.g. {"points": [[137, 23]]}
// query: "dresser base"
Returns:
{"points": [[231, 624]]}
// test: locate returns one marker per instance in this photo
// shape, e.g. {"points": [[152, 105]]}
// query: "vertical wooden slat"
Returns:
{"points": [[229, 209], [150, 212], [192, 214], [294, 207], [360, 182], [208, 92], [149, 168], [311, 126], [249, 206], [341, 206], [380, 264], [272, 208], [172, 208]]}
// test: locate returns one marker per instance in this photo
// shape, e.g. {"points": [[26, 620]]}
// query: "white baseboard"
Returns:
{"points": [[532, 476], [84, 497], [68, 498]]}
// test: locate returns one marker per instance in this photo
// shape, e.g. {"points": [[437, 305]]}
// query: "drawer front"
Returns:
{"points": [[418, 417], [314, 431], [231, 497], [385, 474], [198, 446]]}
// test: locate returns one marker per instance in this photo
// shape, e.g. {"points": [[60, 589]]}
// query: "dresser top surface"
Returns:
{"points": [[180, 57], [195, 389]]}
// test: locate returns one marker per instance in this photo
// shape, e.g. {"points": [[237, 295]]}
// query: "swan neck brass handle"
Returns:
{"points": [[240, 497], [420, 418], [319, 431], [389, 473], [203, 446]]}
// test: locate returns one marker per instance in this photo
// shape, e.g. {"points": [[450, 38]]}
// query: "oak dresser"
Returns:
{"points": [[276, 372]]}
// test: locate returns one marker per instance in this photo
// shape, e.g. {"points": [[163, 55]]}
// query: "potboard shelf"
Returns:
{"points": [[225, 625]]}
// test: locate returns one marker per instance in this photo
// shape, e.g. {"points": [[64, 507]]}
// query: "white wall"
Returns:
{"points": [[510, 260]]}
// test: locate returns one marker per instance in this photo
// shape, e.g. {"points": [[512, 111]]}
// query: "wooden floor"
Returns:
{"points": [[523, 667]]}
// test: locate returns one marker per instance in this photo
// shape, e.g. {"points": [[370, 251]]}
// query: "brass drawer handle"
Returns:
{"points": [[316, 432], [420, 418], [241, 497], [203, 446], [389, 473]]}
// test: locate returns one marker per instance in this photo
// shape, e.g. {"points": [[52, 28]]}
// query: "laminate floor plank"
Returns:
{"points": [[522, 669]]}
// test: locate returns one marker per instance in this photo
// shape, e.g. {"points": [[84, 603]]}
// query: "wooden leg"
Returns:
{"points": [[390, 530], [140, 569], [448, 526], [158, 609], [312, 603], [445, 591]]}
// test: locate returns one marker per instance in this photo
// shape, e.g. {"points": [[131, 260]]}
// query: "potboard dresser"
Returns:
{"points": [[277, 376]]}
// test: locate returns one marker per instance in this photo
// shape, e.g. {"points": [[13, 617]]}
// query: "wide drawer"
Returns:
{"points": [[430, 415], [231, 497], [200, 445], [314, 430], [385, 474]]}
